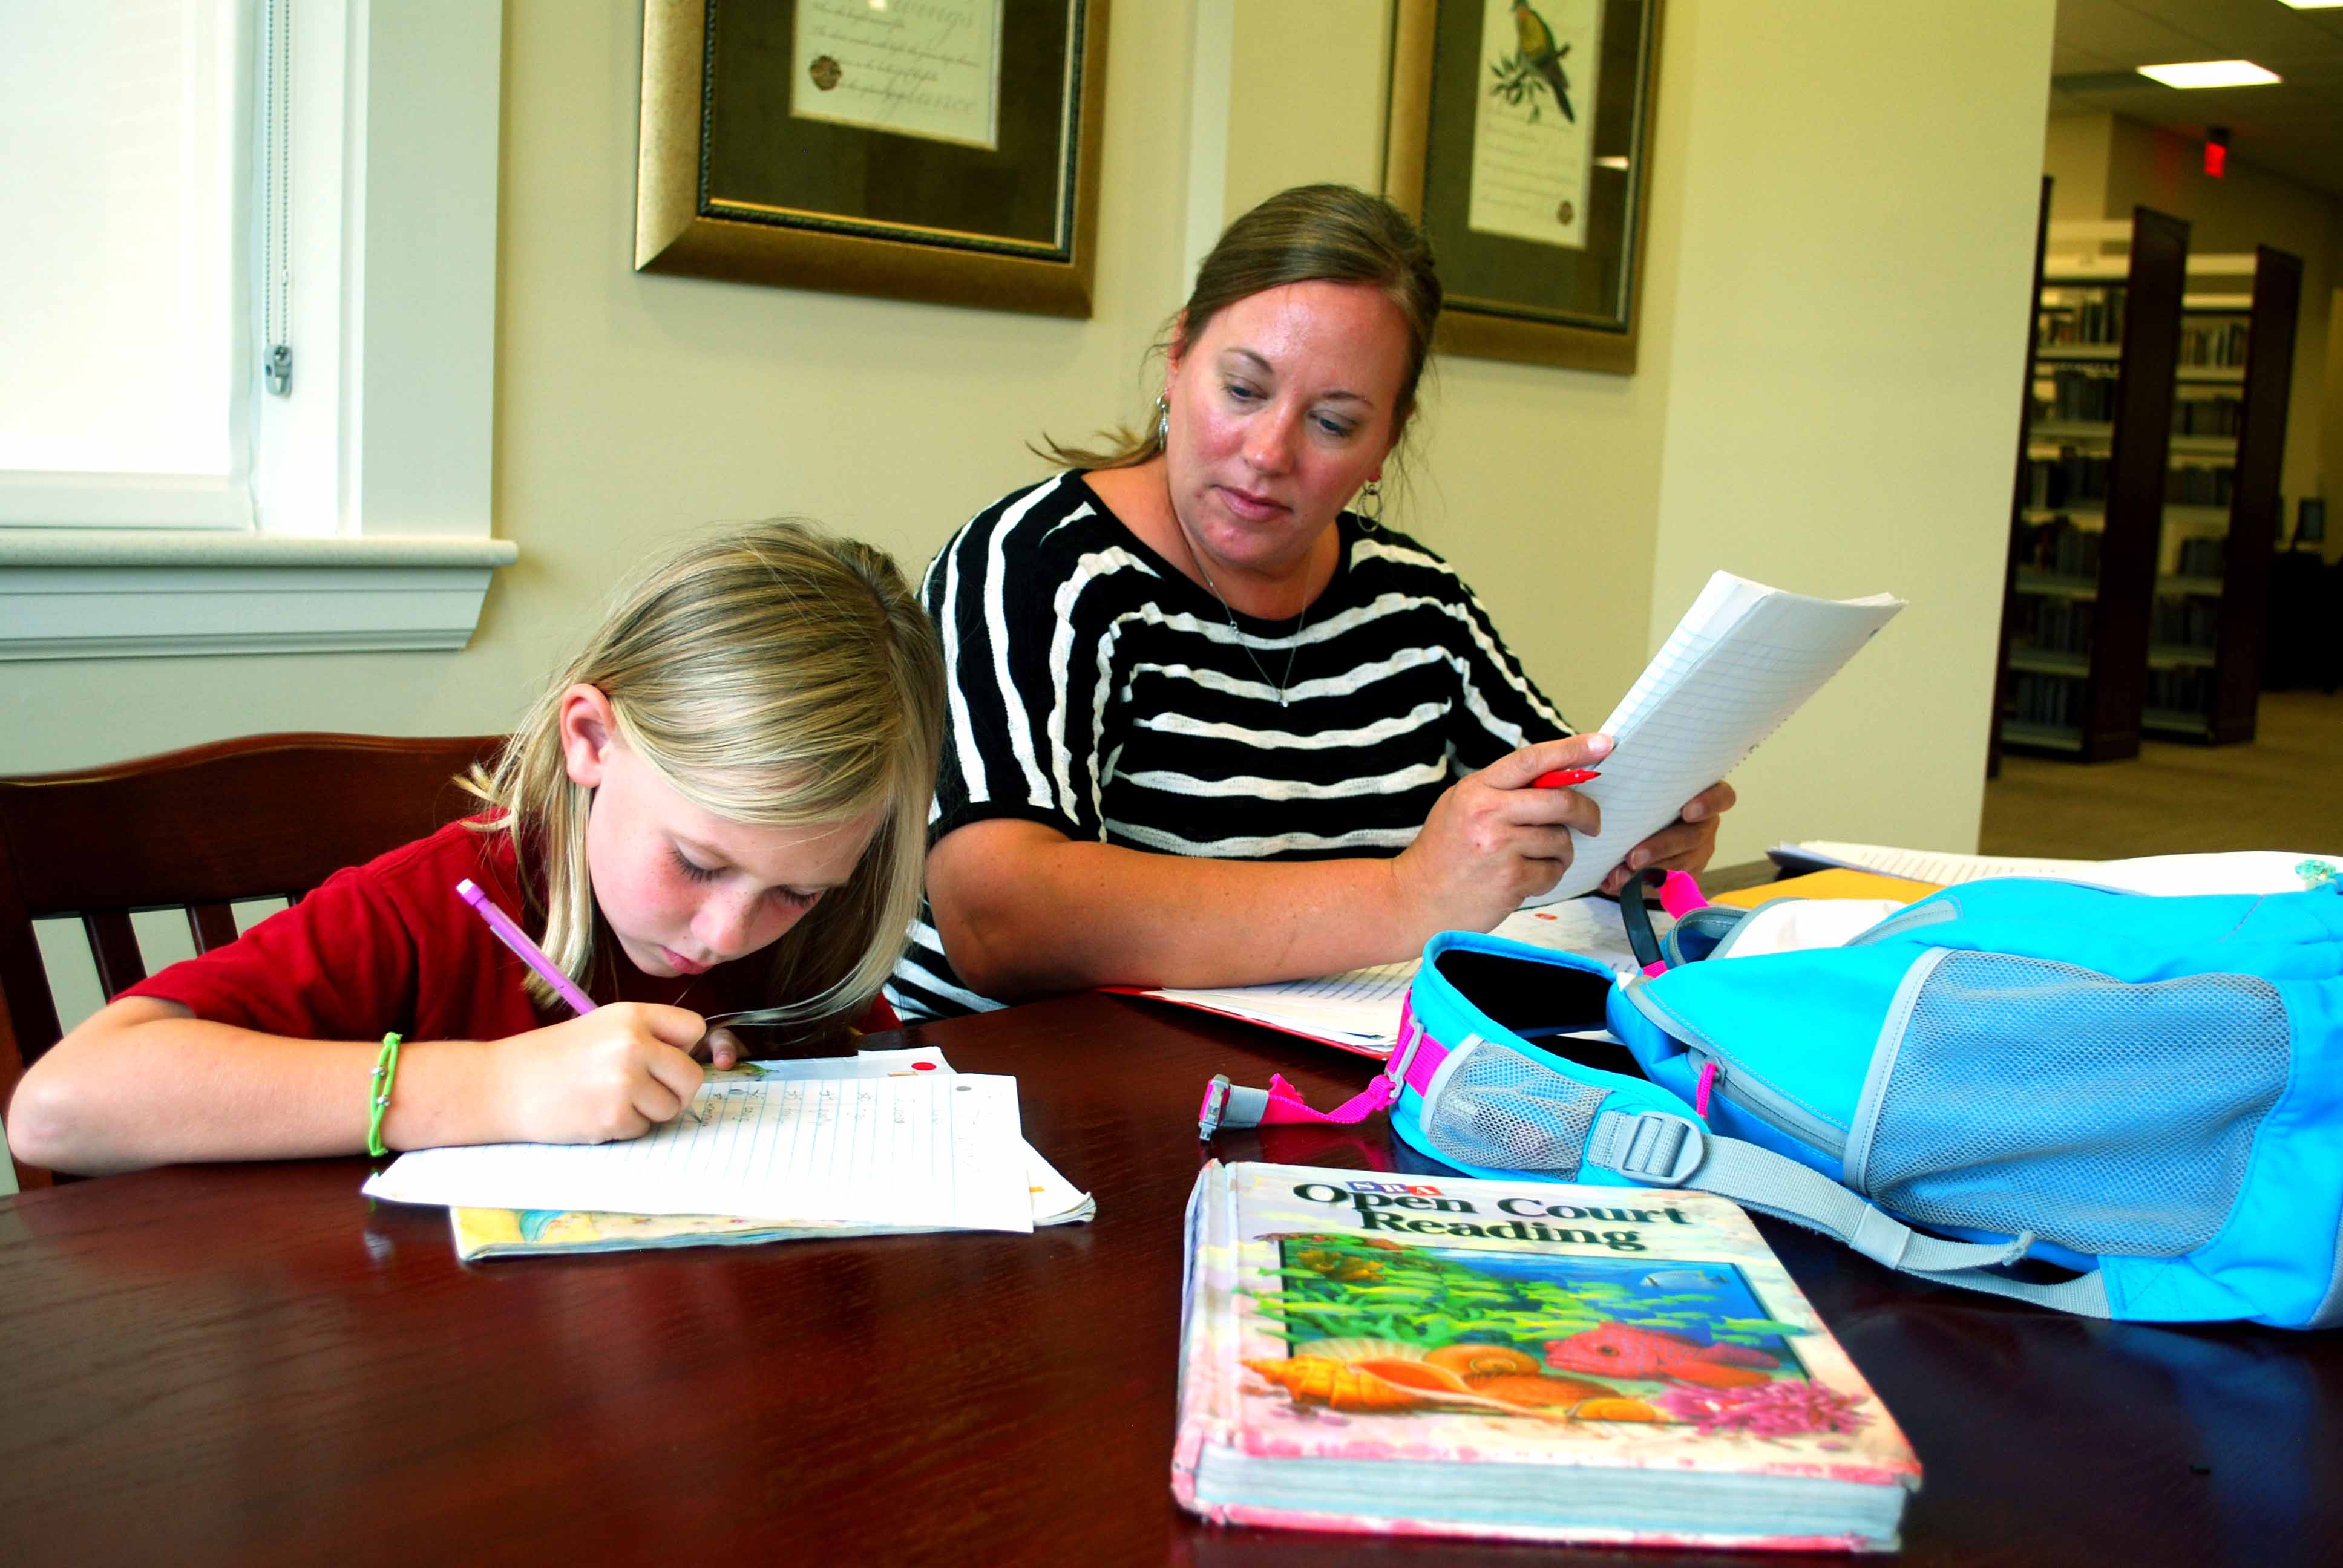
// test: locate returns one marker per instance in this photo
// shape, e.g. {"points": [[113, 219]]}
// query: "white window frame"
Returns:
{"points": [[372, 481]]}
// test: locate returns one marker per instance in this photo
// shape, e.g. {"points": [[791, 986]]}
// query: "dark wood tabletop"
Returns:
{"points": [[254, 1365]]}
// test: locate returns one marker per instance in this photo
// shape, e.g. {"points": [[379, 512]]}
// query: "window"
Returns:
{"points": [[155, 497], [123, 127]]}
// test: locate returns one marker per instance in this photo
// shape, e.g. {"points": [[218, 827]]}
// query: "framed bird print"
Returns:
{"points": [[944, 150], [1520, 137]]}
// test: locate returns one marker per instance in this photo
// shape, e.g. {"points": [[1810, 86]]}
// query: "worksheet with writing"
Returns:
{"points": [[943, 1150], [1358, 1009], [1743, 659]]}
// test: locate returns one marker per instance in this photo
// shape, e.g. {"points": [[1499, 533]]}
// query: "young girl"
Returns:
{"points": [[720, 804]]}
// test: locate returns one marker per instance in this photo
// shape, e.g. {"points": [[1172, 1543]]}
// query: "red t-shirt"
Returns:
{"points": [[390, 946]]}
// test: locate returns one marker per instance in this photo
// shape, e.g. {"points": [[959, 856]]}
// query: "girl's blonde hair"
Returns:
{"points": [[774, 676], [1310, 234]]}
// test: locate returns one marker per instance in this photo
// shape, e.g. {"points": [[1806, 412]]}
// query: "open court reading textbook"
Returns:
{"points": [[935, 1152], [1436, 1355]]}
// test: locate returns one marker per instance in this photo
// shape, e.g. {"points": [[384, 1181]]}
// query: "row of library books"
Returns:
{"points": [[2185, 689], [2186, 623], [2200, 484], [2089, 395], [2058, 546], [2077, 394], [2221, 416], [2054, 624], [2211, 344], [2100, 320], [2033, 696], [2097, 319], [2201, 555], [2074, 478], [2067, 479]]}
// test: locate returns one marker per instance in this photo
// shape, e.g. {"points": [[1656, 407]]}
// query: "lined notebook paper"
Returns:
{"points": [[1739, 663], [933, 1151], [1358, 1010]]}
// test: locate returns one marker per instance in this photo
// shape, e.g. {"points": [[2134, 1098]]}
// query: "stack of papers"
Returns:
{"points": [[884, 1142], [1358, 1010], [2237, 871], [1742, 660]]}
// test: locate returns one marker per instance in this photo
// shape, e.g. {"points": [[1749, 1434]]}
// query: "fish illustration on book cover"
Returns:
{"points": [[1374, 1327]]}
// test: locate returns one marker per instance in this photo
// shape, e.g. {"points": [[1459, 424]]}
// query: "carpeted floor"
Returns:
{"points": [[2283, 791]]}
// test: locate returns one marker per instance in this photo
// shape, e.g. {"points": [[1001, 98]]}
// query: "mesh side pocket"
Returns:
{"points": [[1497, 1107], [2111, 1118]]}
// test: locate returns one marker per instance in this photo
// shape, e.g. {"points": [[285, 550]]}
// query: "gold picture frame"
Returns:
{"points": [[747, 173], [1482, 138]]}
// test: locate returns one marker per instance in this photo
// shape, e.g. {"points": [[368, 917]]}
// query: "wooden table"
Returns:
{"points": [[250, 1364]]}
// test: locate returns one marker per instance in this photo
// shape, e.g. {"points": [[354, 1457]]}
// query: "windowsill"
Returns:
{"points": [[67, 593]]}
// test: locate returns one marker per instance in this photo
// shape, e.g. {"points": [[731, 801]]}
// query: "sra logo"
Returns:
{"points": [[1397, 1189]]}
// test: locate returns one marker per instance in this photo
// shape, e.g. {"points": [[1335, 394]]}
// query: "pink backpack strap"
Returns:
{"points": [[1680, 895], [1412, 1063]]}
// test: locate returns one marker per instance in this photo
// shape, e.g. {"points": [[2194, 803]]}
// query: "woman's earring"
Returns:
{"points": [[1370, 504], [1163, 420]]}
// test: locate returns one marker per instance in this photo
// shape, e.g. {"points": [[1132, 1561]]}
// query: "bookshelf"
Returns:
{"points": [[2235, 371], [2091, 480]]}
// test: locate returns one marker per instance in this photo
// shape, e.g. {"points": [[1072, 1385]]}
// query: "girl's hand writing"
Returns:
{"points": [[1492, 840], [611, 1074]]}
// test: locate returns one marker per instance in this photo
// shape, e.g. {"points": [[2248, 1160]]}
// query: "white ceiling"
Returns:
{"points": [[2294, 127]]}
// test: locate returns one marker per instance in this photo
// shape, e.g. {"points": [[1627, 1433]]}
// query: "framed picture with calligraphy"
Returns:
{"points": [[1521, 138], [943, 150]]}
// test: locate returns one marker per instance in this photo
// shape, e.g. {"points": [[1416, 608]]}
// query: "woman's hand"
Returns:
{"points": [[614, 1073], [1683, 845], [1493, 839]]}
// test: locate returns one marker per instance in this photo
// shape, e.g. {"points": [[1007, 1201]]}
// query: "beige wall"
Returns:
{"points": [[1833, 333], [1831, 321], [1851, 304], [2131, 164], [630, 406]]}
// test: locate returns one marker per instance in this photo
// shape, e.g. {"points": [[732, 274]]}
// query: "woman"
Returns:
{"points": [[1207, 727]]}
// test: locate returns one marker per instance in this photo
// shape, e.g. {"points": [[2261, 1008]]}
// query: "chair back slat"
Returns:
{"points": [[264, 817], [212, 925], [114, 944]]}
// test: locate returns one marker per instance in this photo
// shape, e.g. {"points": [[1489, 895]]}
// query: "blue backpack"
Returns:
{"points": [[2145, 1092]]}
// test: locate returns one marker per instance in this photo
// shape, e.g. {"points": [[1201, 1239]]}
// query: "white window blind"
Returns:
{"points": [[123, 150], [154, 498]]}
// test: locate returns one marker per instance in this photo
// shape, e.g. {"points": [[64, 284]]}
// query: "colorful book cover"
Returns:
{"points": [[1437, 1355]]}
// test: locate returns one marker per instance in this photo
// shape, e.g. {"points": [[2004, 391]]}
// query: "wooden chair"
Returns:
{"points": [[268, 816]]}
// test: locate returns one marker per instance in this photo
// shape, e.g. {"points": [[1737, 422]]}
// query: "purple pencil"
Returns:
{"points": [[530, 953]]}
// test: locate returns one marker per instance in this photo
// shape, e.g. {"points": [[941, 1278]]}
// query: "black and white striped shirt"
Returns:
{"points": [[1096, 689]]}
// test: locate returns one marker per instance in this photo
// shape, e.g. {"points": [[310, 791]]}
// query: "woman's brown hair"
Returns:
{"points": [[1310, 234]]}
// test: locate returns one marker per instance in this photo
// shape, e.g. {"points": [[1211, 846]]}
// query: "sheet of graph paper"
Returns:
{"points": [[940, 1150], [1742, 660]]}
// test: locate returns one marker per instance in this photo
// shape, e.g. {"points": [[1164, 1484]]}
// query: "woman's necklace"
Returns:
{"points": [[1197, 562]]}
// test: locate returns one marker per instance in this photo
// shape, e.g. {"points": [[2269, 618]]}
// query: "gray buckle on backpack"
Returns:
{"points": [[1651, 1146]]}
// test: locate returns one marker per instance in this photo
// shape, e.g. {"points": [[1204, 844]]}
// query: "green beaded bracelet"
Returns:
{"points": [[386, 1068]]}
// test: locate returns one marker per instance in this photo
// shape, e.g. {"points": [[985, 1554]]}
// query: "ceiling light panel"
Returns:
{"points": [[2210, 74]]}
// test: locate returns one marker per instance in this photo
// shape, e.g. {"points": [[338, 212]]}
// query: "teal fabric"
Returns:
{"points": [[2154, 1085]]}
